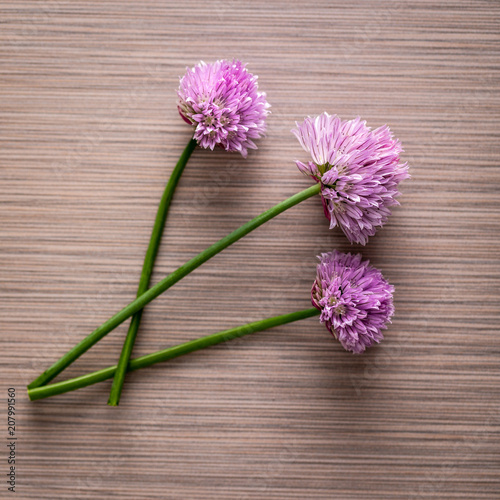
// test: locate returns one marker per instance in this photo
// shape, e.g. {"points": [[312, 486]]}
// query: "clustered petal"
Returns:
{"points": [[354, 299], [359, 170], [222, 101]]}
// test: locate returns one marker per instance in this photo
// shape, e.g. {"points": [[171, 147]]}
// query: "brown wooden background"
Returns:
{"points": [[89, 135]]}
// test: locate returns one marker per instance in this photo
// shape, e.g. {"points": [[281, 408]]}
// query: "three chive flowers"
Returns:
{"points": [[356, 171]]}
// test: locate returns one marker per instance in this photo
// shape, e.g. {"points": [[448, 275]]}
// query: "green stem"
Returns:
{"points": [[166, 354], [147, 269], [167, 282]]}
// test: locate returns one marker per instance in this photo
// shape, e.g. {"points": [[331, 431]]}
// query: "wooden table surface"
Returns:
{"points": [[89, 134]]}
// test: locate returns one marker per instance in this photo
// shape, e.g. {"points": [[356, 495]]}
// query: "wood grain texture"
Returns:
{"points": [[89, 134]]}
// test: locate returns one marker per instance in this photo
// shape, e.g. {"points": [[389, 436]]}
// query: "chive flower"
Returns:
{"points": [[354, 299], [359, 171], [221, 100]]}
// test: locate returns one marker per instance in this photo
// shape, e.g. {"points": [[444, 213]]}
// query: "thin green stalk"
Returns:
{"points": [[167, 282], [166, 354], [147, 269]]}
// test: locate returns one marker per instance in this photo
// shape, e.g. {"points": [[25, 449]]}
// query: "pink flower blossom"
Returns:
{"points": [[354, 299], [359, 170], [221, 100]]}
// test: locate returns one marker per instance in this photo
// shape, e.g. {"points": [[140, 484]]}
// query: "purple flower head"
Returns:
{"points": [[354, 299], [359, 171], [222, 101]]}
